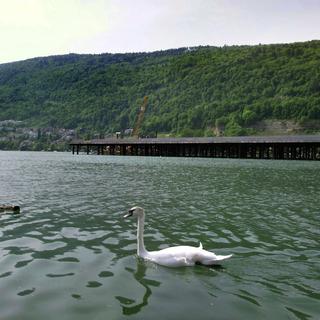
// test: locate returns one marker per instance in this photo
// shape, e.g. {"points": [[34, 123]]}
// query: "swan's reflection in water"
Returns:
{"points": [[130, 306]]}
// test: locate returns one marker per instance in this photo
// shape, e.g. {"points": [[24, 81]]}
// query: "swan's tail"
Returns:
{"points": [[221, 258], [200, 245], [209, 258]]}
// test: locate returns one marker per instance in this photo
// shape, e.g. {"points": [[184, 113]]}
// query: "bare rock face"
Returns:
{"points": [[283, 127]]}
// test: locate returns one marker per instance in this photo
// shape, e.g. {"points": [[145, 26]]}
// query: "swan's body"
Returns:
{"points": [[174, 256]]}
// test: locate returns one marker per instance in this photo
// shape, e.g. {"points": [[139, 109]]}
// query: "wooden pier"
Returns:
{"points": [[305, 147]]}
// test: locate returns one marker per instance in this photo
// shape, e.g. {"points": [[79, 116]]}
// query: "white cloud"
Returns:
{"points": [[30, 28], [40, 27]]}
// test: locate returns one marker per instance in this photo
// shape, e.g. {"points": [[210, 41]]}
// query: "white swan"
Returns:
{"points": [[174, 256]]}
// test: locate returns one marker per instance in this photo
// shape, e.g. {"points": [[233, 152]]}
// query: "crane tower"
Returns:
{"points": [[136, 129]]}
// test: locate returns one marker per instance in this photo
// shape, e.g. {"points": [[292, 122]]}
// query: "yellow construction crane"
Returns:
{"points": [[136, 129]]}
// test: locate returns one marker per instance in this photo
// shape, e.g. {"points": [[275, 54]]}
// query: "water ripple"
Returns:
{"points": [[70, 244]]}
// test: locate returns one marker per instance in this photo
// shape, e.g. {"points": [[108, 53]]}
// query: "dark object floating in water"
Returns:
{"points": [[10, 208]]}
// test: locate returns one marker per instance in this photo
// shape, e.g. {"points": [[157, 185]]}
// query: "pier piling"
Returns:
{"points": [[272, 147]]}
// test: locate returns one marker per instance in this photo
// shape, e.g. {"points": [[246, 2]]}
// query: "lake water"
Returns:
{"points": [[70, 255]]}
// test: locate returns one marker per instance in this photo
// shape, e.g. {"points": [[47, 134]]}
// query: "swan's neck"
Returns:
{"points": [[141, 250]]}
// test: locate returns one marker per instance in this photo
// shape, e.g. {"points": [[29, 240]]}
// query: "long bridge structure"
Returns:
{"points": [[291, 147]]}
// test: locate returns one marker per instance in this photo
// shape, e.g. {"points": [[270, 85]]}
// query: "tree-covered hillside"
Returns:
{"points": [[191, 90]]}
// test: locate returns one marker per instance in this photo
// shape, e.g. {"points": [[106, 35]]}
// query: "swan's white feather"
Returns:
{"points": [[173, 256], [184, 256]]}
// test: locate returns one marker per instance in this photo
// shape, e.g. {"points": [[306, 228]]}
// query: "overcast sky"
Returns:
{"points": [[32, 28]]}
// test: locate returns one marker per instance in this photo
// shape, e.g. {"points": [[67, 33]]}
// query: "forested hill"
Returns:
{"points": [[191, 90]]}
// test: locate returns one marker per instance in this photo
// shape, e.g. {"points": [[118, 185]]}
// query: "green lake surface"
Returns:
{"points": [[71, 255]]}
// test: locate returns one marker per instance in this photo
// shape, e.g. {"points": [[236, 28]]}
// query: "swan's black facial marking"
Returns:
{"points": [[129, 214]]}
